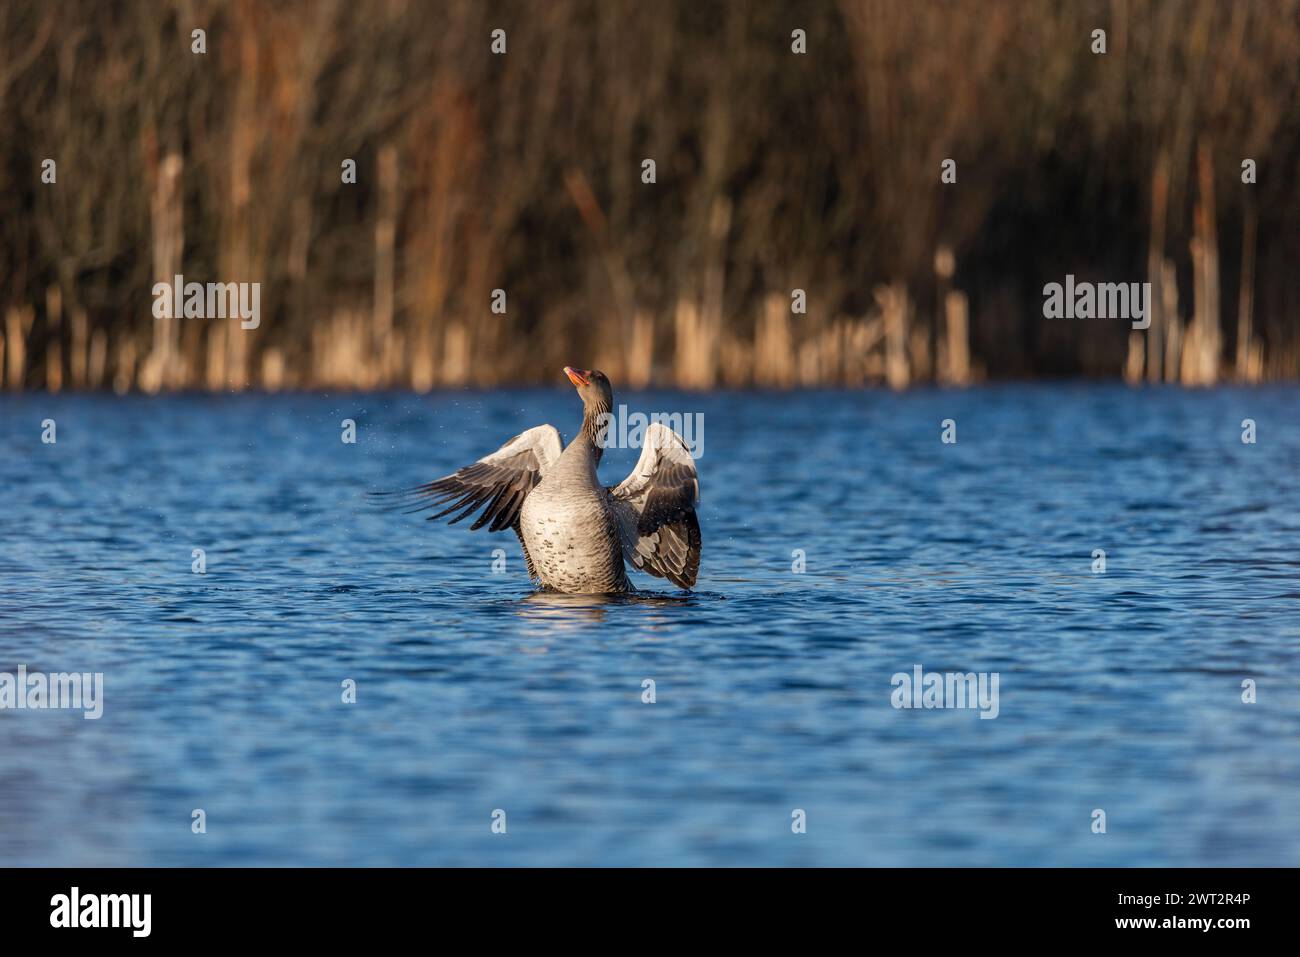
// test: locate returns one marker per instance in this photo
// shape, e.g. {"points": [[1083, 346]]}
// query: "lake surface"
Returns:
{"points": [[1119, 691]]}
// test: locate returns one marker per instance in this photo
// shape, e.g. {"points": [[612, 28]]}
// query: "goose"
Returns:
{"points": [[578, 536]]}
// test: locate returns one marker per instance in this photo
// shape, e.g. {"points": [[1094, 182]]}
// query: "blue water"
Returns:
{"points": [[1119, 691]]}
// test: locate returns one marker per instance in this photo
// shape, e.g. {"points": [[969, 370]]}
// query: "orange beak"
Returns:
{"points": [[578, 376]]}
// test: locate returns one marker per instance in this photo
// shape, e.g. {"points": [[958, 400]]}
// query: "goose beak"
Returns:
{"points": [[578, 377]]}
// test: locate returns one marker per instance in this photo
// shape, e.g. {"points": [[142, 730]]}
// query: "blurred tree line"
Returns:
{"points": [[523, 171]]}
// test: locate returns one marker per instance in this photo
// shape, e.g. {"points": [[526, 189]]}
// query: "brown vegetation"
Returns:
{"points": [[775, 171]]}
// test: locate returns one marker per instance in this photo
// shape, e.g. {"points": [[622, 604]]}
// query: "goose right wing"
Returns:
{"points": [[655, 506]]}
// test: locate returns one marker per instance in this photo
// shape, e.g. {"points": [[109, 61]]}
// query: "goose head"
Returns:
{"points": [[593, 388], [597, 405]]}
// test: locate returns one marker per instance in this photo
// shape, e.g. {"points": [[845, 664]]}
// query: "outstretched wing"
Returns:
{"points": [[655, 506], [497, 483]]}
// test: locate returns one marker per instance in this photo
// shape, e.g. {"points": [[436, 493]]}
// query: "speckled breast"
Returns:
{"points": [[572, 539]]}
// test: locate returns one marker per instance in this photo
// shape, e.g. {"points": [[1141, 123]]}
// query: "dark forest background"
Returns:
{"points": [[775, 171]]}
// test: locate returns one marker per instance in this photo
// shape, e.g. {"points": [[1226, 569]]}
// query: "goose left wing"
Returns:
{"points": [[497, 483], [655, 506]]}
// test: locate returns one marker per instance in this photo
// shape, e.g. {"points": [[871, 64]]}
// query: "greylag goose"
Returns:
{"points": [[577, 535]]}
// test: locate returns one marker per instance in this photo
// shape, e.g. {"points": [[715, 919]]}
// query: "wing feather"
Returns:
{"points": [[655, 506], [497, 484]]}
